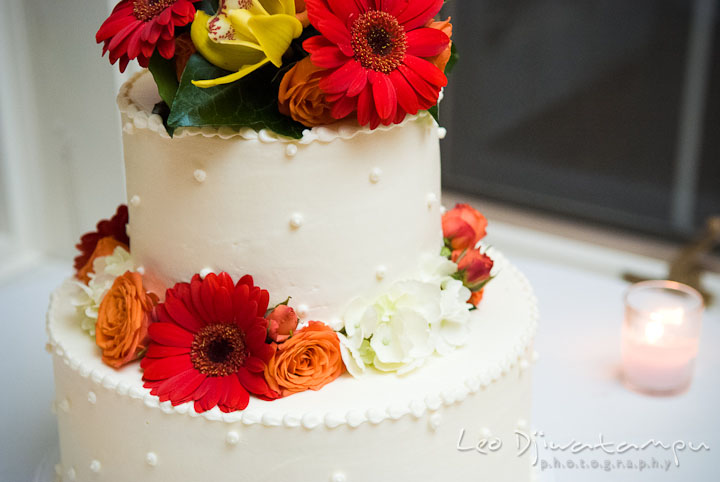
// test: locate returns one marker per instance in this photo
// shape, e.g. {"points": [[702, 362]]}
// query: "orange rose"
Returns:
{"points": [[300, 96], [123, 320], [308, 361], [301, 13], [440, 60], [104, 247], [463, 226]]}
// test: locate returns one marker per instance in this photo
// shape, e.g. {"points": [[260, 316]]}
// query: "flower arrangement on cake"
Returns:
{"points": [[216, 342], [285, 65]]}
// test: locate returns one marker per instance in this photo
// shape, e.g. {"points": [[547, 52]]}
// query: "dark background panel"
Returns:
{"points": [[573, 107]]}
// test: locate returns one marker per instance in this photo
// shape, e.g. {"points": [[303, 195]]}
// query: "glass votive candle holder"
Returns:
{"points": [[660, 336]]}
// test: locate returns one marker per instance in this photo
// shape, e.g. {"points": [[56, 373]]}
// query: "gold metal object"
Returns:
{"points": [[687, 266]]}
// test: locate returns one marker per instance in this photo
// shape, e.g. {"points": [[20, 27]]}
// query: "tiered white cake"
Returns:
{"points": [[342, 213]]}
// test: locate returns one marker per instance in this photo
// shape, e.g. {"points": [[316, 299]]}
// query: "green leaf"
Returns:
{"points": [[270, 309], [454, 56], [163, 71], [435, 112], [208, 6], [480, 285], [249, 102]]}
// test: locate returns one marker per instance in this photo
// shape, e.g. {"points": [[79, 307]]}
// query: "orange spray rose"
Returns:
{"points": [[104, 247], [476, 297], [440, 60], [282, 322], [123, 319], [300, 96], [474, 266], [308, 361], [463, 226]]}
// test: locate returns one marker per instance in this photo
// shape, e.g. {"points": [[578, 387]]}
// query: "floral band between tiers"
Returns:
{"points": [[477, 378], [216, 342]]}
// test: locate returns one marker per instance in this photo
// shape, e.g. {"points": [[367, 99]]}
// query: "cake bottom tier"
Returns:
{"points": [[457, 418]]}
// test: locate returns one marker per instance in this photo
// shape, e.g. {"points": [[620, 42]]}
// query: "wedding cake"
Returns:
{"points": [[284, 297]]}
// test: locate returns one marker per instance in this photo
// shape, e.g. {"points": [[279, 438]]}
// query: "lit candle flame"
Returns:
{"points": [[668, 316], [655, 328]]}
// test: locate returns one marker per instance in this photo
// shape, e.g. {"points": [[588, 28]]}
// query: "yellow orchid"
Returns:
{"points": [[244, 35]]}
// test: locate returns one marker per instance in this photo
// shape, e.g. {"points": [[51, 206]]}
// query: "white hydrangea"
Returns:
{"points": [[412, 320], [436, 269], [452, 328], [106, 269]]}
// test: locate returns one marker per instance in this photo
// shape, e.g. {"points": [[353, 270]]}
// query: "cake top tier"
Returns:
{"points": [[284, 65], [314, 219]]}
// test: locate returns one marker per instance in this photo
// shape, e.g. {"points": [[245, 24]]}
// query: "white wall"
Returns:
{"points": [[60, 126]]}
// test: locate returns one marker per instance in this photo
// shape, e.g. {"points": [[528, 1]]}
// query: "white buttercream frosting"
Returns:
{"points": [[312, 221]]}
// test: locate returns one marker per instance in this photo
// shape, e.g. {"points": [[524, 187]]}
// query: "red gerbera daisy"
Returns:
{"points": [[375, 53], [114, 227], [136, 27], [208, 344]]}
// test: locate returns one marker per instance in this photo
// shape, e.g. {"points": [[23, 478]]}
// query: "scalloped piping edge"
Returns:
{"points": [[137, 118], [311, 420]]}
